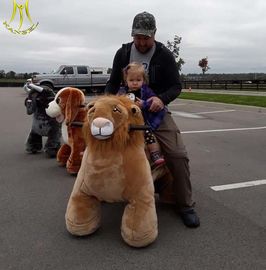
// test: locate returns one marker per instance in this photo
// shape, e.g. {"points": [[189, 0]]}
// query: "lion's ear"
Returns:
{"points": [[135, 109]]}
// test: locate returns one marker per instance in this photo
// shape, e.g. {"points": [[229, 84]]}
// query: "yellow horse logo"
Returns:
{"points": [[20, 7]]}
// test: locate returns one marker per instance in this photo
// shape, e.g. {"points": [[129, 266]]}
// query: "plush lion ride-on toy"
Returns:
{"points": [[114, 169], [68, 107], [42, 125]]}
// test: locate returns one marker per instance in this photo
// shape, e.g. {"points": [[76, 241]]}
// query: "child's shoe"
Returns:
{"points": [[156, 158]]}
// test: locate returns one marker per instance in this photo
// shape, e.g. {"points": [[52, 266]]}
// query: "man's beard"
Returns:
{"points": [[142, 49]]}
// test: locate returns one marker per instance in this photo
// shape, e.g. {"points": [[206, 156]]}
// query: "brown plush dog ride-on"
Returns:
{"points": [[68, 107], [114, 168]]}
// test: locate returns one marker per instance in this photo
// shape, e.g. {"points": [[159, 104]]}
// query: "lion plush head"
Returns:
{"points": [[108, 121], [66, 104]]}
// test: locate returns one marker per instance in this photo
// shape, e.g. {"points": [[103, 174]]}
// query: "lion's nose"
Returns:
{"points": [[101, 122], [102, 128]]}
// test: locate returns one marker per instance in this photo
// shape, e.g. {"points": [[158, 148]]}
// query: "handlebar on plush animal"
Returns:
{"points": [[130, 127], [35, 87]]}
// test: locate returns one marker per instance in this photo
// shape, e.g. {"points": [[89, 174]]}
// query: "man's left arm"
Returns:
{"points": [[172, 80]]}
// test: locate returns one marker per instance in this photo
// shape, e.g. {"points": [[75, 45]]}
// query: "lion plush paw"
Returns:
{"points": [[83, 215], [139, 224]]}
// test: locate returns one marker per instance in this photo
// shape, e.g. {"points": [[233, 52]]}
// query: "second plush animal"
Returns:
{"points": [[68, 107]]}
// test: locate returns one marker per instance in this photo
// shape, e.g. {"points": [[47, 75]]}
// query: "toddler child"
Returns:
{"points": [[136, 88]]}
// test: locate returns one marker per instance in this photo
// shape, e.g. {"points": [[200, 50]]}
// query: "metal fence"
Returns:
{"points": [[226, 84]]}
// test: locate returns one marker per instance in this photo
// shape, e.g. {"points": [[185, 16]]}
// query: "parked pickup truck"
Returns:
{"points": [[83, 77]]}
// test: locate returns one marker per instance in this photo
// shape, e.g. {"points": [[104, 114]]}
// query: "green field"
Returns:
{"points": [[259, 101]]}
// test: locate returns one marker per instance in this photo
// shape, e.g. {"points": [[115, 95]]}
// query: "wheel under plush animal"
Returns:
{"points": [[114, 168]]}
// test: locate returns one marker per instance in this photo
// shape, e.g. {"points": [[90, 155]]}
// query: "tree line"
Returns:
{"points": [[13, 75]]}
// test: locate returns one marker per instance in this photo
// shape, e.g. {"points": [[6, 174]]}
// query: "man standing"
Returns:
{"points": [[164, 81]]}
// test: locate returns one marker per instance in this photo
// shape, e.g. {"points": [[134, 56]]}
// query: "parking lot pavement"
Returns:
{"points": [[227, 145], [224, 148]]}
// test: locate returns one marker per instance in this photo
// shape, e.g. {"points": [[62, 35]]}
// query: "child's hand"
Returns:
{"points": [[139, 102]]}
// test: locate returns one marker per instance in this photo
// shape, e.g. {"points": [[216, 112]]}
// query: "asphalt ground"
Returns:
{"points": [[224, 148]]}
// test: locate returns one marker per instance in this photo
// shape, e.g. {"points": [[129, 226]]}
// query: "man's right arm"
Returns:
{"points": [[114, 82]]}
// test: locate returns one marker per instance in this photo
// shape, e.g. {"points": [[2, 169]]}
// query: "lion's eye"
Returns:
{"points": [[90, 106], [116, 109]]}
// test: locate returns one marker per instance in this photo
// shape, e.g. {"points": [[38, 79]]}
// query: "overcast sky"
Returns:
{"points": [[232, 33]]}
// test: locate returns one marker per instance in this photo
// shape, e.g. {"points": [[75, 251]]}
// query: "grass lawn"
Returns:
{"points": [[259, 101], [12, 80]]}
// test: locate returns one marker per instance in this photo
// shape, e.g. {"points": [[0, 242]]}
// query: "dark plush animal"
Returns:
{"points": [[42, 124]]}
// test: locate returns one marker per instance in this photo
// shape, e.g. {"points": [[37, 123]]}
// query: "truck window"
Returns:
{"points": [[67, 70], [96, 72], [82, 70]]}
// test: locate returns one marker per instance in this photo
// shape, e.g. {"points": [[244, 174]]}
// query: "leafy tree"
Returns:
{"points": [[11, 74], [2, 73], [173, 46], [203, 63]]}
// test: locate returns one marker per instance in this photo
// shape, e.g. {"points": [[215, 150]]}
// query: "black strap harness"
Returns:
{"points": [[130, 127]]}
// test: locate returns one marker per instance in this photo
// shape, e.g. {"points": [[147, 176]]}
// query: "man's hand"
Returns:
{"points": [[156, 104]]}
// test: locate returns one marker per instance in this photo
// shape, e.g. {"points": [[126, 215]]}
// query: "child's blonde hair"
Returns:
{"points": [[135, 67]]}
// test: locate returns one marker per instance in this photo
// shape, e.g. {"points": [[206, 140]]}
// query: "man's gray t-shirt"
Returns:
{"points": [[144, 59]]}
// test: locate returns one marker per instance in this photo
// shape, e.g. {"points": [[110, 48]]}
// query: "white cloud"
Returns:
{"points": [[230, 33]]}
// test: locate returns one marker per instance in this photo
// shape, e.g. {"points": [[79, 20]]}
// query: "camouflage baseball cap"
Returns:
{"points": [[143, 24]]}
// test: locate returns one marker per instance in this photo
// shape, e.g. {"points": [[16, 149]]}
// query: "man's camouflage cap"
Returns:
{"points": [[144, 24]]}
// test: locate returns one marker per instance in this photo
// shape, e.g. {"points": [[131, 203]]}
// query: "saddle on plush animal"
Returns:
{"points": [[68, 107], [114, 169], [42, 125]]}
